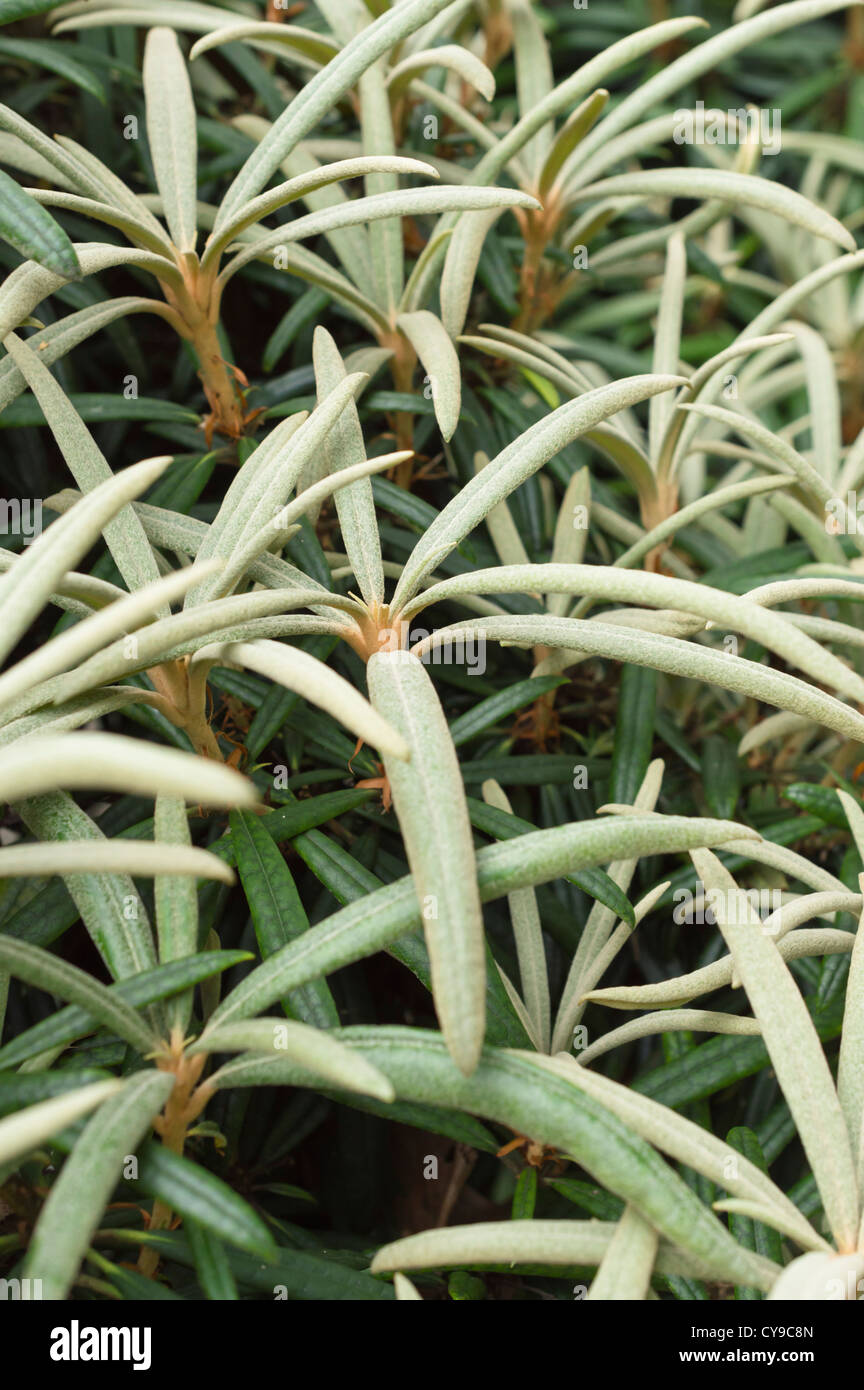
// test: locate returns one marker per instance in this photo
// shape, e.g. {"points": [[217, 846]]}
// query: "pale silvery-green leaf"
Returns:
{"points": [[172, 133], [310, 1047], [460, 265], [747, 190], [545, 1242], [704, 58], [528, 1093], [626, 1268], [667, 341], [372, 922], [447, 55], [297, 670], [571, 533], [26, 586], [601, 919], [670, 1021], [124, 534], [23, 1132], [690, 1144], [386, 248], [607, 582], [528, 932], [281, 525], [303, 184], [80, 1194], [512, 466], [416, 202], [794, 1047], [48, 972], [663, 654], [534, 79], [502, 528], [429, 800], [118, 856], [80, 641], [288, 36], [850, 1069], [176, 901], [430, 340], [680, 990], [264, 484], [139, 233], [118, 764], [322, 93], [345, 447], [405, 1290]]}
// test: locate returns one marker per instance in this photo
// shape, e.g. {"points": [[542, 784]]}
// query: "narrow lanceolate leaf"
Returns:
{"points": [[574, 129], [667, 341], [850, 1071], [302, 186], [601, 920], [309, 1047], [122, 616], [288, 36], [793, 1046], [571, 533], [528, 932], [22, 1133], [344, 447], [264, 484], [176, 899], [49, 972], [625, 1272], [670, 1021], [25, 588], [381, 917], [124, 534], [741, 189], [277, 911], [108, 902], [110, 857], [431, 342], [172, 134], [450, 56], [690, 1144], [513, 465], [664, 654], [79, 1196], [298, 671], [429, 799], [534, 80], [669, 994], [543, 1242], [375, 207], [40, 764], [148, 987], [33, 231], [742, 615], [198, 1195], [527, 1094], [321, 94]]}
